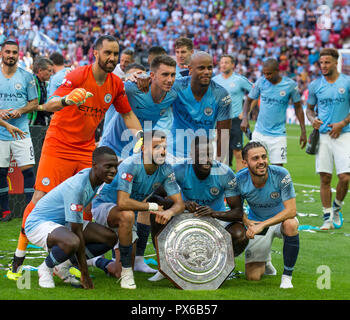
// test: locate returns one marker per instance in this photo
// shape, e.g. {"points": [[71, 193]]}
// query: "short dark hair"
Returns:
{"points": [[41, 63], [271, 63], [128, 52], [330, 52], [9, 42], [154, 133], [251, 145], [57, 59], [134, 66], [162, 59], [99, 41], [157, 50], [184, 42], [233, 60], [101, 151]]}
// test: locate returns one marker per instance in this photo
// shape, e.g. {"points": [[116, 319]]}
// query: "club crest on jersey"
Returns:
{"points": [[67, 83], [76, 207], [45, 181], [18, 86], [274, 195], [214, 191], [108, 98], [127, 176], [156, 185], [341, 90], [232, 84], [208, 111], [282, 93]]}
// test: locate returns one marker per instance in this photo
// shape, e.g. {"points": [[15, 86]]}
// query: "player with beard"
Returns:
{"points": [[205, 183], [201, 106], [330, 94], [138, 176], [80, 104], [269, 192], [18, 96]]}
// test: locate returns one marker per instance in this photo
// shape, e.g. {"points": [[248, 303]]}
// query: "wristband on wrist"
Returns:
{"points": [[152, 206], [41, 107], [63, 102]]}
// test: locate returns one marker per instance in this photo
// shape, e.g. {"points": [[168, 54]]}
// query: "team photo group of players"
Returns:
{"points": [[169, 137]]}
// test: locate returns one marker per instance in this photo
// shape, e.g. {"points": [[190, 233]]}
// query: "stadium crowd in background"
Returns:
{"points": [[249, 30]]}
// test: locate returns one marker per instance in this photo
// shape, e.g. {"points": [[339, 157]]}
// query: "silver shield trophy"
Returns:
{"points": [[195, 253]]}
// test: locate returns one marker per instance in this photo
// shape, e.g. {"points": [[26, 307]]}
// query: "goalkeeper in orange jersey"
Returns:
{"points": [[79, 105]]}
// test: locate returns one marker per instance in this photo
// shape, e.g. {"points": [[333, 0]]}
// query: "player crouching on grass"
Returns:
{"points": [[270, 194], [56, 223]]}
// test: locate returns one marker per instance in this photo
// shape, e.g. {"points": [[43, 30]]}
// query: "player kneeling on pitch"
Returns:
{"points": [[270, 194], [205, 183], [56, 223]]}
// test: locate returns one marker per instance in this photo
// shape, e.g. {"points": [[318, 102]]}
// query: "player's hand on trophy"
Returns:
{"points": [[78, 96], [191, 206], [203, 211]]}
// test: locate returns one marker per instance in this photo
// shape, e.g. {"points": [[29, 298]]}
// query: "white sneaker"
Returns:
{"points": [[157, 277], [270, 269], [286, 282], [45, 276], [127, 279], [327, 225], [92, 262], [62, 271], [141, 266]]}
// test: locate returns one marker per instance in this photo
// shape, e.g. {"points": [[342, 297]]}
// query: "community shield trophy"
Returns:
{"points": [[195, 253]]}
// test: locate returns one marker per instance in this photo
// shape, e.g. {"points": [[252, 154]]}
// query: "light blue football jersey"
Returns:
{"points": [[265, 202], [56, 80], [133, 179], [237, 86], [64, 203], [274, 100], [192, 117], [210, 191], [150, 114], [15, 93], [332, 100]]}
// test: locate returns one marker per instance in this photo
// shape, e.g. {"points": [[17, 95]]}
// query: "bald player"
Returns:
{"points": [[201, 107], [275, 92]]}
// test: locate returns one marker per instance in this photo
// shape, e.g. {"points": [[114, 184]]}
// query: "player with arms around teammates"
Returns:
{"points": [[70, 138]]}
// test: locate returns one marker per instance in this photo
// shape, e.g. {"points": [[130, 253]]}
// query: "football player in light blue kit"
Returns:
{"points": [[149, 107], [18, 96], [237, 86], [183, 52], [201, 107], [270, 194], [60, 72], [274, 91], [56, 223], [138, 176], [205, 183], [330, 94]]}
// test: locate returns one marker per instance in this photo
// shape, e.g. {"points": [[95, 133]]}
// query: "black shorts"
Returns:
{"points": [[236, 135]]}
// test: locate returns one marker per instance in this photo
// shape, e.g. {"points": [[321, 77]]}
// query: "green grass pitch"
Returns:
{"points": [[321, 272]]}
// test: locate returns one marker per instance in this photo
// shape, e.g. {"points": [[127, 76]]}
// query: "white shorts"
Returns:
{"points": [[259, 248], [39, 235], [276, 146], [100, 215], [22, 151], [333, 151]]}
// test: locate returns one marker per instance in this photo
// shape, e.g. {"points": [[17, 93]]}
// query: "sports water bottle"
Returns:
{"points": [[312, 142]]}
